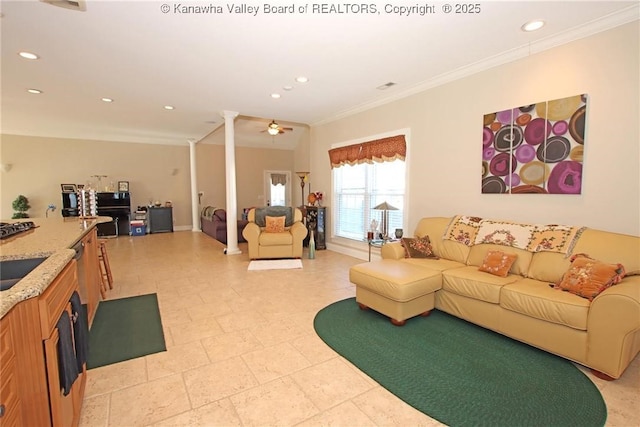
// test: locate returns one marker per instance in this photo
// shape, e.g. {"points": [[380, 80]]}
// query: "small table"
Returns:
{"points": [[378, 243]]}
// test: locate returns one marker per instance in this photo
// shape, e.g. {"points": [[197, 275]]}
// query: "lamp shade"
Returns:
{"points": [[384, 206]]}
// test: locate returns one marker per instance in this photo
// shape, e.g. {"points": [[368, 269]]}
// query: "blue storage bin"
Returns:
{"points": [[138, 230]]}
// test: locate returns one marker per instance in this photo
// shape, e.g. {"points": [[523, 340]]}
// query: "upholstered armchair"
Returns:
{"points": [[275, 232]]}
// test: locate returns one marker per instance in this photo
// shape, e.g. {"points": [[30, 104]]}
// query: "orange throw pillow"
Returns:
{"points": [[587, 277], [498, 263], [274, 224]]}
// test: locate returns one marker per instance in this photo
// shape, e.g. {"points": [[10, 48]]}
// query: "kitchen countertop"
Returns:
{"points": [[52, 238]]}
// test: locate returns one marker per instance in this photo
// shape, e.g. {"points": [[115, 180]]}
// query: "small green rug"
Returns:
{"points": [[462, 374], [124, 329]]}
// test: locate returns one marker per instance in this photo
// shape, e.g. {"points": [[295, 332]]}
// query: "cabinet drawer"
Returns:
{"points": [[55, 299]]}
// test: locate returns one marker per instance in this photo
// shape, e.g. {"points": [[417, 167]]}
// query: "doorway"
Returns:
{"points": [[277, 185]]}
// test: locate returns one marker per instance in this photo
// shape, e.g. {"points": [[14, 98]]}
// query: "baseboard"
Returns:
{"points": [[360, 253]]}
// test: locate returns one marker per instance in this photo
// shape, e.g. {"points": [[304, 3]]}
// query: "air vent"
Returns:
{"points": [[80, 5], [386, 86]]}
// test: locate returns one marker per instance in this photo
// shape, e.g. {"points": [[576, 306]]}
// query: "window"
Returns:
{"points": [[277, 195], [277, 188], [358, 188]]}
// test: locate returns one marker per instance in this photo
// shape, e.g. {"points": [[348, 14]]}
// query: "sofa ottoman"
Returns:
{"points": [[397, 290]]}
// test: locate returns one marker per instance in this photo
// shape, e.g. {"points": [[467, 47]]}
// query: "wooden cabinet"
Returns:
{"points": [[89, 272], [23, 378], [65, 409], [316, 221], [30, 391], [10, 404]]}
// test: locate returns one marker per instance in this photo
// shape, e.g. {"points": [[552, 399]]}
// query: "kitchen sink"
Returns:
{"points": [[11, 271]]}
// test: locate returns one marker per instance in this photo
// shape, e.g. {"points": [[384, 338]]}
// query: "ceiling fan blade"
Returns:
{"points": [[287, 128]]}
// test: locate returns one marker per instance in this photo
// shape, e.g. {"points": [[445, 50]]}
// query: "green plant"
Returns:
{"points": [[20, 206]]}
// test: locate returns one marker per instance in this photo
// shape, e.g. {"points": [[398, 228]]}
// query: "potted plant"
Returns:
{"points": [[20, 206]]}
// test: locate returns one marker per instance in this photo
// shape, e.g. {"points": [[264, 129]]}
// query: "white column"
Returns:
{"points": [[195, 210], [232, 200]]}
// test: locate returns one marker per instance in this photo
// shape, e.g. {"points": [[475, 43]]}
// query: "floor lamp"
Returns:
{"points": [[303, 177], [385, 208]]}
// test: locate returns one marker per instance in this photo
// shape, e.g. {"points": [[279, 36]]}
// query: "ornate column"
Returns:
{"points": [[232, 199], [195, 210]]}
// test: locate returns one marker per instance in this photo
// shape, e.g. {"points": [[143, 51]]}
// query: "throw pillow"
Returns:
{"points": [[275, 224], [587, 277], [418, 247], [498, 263]]}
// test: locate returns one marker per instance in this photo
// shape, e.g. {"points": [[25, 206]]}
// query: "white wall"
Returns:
{"points": [[446, 139], [155, 172]]}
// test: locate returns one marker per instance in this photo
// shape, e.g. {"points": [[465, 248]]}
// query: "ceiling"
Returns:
{"points": [[206, 63]]}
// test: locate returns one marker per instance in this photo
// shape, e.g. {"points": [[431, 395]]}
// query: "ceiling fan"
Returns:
{"points": [[274, 129]]}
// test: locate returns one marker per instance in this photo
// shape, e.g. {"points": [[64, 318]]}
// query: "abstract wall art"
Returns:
{"points": [[535, 148]]}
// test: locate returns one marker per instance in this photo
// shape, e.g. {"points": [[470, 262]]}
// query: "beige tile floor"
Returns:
{"points": [[241, 349]]}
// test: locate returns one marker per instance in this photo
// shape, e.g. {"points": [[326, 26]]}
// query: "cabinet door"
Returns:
{"points": [[10, 409], [65, 410], [89, 276], [316, 222], [320, 228]]}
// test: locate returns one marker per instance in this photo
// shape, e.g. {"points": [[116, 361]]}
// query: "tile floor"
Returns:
{"points": [[242, 351]]}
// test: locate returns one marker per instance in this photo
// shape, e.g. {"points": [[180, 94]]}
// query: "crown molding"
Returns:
{"points": [[607, 22]]}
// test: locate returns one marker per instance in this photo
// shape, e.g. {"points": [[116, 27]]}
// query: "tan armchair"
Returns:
{"points": [[264, 243]]}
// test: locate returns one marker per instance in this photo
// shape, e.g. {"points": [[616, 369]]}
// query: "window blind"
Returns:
{"points": [[360, 187]]}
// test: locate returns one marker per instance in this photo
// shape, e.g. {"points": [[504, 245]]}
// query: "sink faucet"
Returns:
{"points": [[51, 208]]}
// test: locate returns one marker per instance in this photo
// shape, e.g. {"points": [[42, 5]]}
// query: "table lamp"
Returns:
{"points": [[385, 208]]}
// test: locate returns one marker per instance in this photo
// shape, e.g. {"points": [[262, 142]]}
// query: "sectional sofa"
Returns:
{"points": [[601, 332], [213, 222]]}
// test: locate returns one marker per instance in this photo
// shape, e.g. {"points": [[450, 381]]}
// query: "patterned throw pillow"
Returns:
{"points": [[587, 277], [275, 224], [498, 263], [419, 247]]}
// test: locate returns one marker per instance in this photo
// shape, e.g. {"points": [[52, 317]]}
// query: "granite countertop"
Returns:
{"points": [[54, 239]]}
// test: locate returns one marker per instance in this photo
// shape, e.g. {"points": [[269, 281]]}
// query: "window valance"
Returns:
{"points": [[379, 150], [278, 178]]}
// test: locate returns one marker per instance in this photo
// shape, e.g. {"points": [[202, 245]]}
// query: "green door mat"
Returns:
{"points": [[124, 329], [462, 374]]}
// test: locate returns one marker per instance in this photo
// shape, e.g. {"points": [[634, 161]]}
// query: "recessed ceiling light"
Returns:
{"points": [[168, 107], [275, 95], [36, 91], [107, 99], [287, 87], [28, 55], [302, 79], [536, 24]]}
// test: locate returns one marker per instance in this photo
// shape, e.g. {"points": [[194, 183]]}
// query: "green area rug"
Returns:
{"points": [[124, 329], [462, 374]]}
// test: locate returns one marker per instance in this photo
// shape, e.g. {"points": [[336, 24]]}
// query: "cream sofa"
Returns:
{"points": [[263, 244], [603, 334]]}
